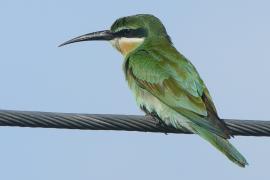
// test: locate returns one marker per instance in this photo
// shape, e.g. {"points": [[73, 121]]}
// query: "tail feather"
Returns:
{"points": [[222, 145]]}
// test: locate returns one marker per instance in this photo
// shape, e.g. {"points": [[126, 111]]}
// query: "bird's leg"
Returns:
{"points": [[156, 119], [152, 116], [149, 117]]}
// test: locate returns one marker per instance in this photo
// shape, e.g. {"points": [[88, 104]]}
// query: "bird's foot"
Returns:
{"points": [[157, 121], [149, 117]]}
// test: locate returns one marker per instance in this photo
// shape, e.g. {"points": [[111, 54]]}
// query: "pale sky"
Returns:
{"points": [[228, 42]]}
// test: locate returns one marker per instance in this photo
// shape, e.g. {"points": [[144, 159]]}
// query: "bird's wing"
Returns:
{"points": [[178, 85]]}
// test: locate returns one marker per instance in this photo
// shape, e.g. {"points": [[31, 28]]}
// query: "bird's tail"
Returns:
{"points": [[223, 145]]}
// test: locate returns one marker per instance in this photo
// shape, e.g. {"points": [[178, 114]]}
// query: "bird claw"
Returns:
{"points": [[157, 121]]}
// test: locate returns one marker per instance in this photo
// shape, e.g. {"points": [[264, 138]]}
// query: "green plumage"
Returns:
{"points": [[166, 83]]}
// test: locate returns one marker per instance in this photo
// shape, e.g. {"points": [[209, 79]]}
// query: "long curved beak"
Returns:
{"points": [[99, 35]]}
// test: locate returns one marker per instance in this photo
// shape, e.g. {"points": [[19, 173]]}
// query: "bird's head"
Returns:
{"points": [[128, 33]]}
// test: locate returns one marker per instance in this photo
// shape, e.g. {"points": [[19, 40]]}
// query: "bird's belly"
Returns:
{"points": [[165, 113]]}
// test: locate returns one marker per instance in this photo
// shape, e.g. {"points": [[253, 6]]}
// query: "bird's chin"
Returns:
{"points": [[115, 44]]}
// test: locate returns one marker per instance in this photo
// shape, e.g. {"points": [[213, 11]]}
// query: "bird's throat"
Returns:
{"points": [[126, 45]]}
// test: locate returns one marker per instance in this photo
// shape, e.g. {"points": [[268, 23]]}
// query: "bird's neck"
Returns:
{"points": [[126, 45]]}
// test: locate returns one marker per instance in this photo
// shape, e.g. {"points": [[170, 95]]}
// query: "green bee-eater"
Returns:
{"points": [[165, 84]]}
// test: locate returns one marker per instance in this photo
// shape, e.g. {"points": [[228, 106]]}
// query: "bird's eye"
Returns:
{"points": [[131, 33], [126, 32]]}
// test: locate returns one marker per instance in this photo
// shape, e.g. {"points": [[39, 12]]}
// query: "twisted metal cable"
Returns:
{"points": [[116, 122]]}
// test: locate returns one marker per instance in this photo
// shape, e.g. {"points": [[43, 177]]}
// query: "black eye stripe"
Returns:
{"points": [[129, 33]]}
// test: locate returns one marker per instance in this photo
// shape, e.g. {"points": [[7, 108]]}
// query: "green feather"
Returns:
{"points": [[165, 82], [151, 74], [223, 145]]}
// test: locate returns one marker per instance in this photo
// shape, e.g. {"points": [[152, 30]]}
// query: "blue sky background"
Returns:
{"points": [[228, 42]]}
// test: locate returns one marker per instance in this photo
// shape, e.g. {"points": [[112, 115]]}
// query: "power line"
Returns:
{"points": [[116, 122]]}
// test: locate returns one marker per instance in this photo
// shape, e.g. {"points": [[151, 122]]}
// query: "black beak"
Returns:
{"points": [[100, 35]]}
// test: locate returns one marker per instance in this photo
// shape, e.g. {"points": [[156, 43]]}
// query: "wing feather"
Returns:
{"points": [[178, 85]]}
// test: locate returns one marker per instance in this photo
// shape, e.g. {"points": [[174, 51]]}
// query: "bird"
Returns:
{"points": [[166, 85]]}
